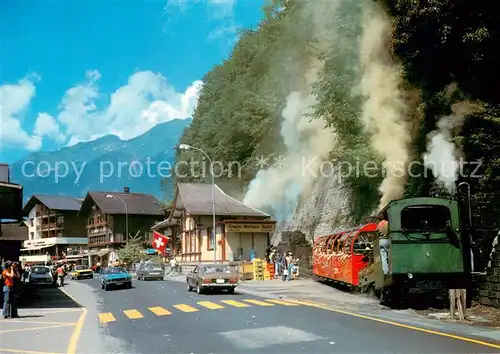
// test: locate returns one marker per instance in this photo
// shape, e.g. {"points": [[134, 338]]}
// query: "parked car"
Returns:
{"points": [[81, 272], [212, 277], [41, 276], [150, 271], [116, 277]]}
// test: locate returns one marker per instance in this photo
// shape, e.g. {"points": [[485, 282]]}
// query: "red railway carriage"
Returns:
{"points": [[340, 256]]}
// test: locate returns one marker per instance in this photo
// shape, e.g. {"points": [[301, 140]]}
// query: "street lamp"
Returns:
{"points": [[470, 220], [189, 147], [126, 214]]}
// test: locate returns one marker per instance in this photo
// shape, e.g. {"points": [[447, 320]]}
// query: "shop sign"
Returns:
{"points": [[39, 243], [249, 227]]}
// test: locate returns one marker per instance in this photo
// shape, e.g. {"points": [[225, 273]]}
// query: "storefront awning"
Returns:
{"points": [[36, 248], [76, 256], [102, 253]]}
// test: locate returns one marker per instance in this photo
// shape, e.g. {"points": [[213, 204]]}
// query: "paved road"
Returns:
{"points": [[162, 317]]}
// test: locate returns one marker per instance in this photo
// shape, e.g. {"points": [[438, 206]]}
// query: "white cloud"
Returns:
{"points": [[219, 9], [46, 126], [14, 101], [146, 100]]}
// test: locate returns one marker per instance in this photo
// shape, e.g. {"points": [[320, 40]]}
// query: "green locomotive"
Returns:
{"points": [[420, 251]]}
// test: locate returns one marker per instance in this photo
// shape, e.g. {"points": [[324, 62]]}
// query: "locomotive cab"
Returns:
{"points": [[425, 252]]}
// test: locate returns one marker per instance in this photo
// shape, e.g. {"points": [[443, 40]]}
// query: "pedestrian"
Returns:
{"points": [[9, 306], [284, 267], [289, 262], [172, 266]]}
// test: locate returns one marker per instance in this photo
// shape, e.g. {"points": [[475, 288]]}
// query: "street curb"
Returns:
{"points": [[259, 294]]}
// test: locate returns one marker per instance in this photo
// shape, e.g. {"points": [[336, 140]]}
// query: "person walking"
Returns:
{"points": [[9, 309]]}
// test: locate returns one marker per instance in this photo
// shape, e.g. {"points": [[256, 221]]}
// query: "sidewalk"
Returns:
{"points": [[47, 324]]}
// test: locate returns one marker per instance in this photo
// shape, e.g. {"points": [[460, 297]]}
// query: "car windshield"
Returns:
{"points": [[153, 266], [40, 270], [80, 267], [115, 270], [216, 269]]}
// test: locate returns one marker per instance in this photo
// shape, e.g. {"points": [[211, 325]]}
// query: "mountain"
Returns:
{"points": [[105, 164]]}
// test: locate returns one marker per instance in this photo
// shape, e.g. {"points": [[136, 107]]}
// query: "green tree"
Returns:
{"points": [[133, 251]]}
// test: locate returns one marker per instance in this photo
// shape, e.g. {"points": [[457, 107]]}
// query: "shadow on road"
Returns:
{"points": [[51, 297]]}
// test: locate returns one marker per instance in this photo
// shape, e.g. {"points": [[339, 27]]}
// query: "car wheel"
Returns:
{"points": [[199, 290], [129, 285], [189, 287], [230, 290]]}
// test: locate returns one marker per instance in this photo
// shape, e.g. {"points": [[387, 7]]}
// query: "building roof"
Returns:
{"points": [[196, 199], [136, 203], [53, 202], [14, 232]]}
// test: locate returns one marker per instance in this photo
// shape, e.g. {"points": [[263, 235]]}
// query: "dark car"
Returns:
{"points": [[149, 271], [212, 277]]}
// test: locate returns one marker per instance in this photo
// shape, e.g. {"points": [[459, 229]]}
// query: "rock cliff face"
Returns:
{"points": [[321, 211]]}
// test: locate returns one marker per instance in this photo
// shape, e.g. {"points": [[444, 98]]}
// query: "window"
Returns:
{"points": [[210, 239], [364, 243], [425, 218], [31, 222], [32, 235]]}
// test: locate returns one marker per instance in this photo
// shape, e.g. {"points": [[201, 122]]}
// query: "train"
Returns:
{"points": [[421, 251]]}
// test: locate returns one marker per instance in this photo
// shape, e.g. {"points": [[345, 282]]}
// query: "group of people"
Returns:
{"points": [[286, 266], [11, 278]]}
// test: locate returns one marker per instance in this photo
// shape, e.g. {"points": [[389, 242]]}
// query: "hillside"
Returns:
{"points": [[95, 165], [387, 83]]}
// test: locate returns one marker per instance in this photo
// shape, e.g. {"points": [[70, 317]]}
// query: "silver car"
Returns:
{"points": [[41, 276], [150, 271]]}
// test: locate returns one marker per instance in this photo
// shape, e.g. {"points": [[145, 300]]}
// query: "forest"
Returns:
{"points": [[389, 81]]}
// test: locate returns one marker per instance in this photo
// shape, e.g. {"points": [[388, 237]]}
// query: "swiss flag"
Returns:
{"points": [[159, 242]]}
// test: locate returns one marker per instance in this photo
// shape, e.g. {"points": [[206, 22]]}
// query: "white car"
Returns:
{"points": [[41, 275]]}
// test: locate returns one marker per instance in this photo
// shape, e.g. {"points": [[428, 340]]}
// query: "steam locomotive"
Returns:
{"points": [[422, 252]]}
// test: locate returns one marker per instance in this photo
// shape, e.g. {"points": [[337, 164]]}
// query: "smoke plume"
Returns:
{"points": [[384, 108], [278, 188], [443, 155]]}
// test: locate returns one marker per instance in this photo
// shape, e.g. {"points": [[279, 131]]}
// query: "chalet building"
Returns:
{"points": [[109, 213], [242, 232], [55, 231]]}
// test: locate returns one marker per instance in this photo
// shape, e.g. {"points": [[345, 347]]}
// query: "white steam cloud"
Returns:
{"points": [[278, 188], [384, 109], [443, 155]]}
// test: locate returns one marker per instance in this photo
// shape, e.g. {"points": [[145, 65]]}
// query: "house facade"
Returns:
{"points": [[241, 232], [55, 231], [109, 214], [11, 205]]}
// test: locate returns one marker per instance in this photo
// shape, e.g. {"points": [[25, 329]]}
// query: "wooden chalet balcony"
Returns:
{"points": [[52, 226], [97, 225], [106, 240]]}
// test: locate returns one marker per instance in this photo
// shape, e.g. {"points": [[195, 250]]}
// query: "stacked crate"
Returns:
{"points": [[489, 287], [258, 269]]}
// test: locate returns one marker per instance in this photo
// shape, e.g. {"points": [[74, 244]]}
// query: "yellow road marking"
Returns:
{"points": [[185, 308], [159, 311], [73, 342], [258, 302], [4, 350], [281, 302], [39, 322], [210, 305], [133, 314], [414, 328], [34, 328], [235, 303], [106, 317]]}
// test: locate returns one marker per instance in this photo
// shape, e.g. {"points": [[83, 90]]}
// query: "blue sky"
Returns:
{"points": [[72, 71]]}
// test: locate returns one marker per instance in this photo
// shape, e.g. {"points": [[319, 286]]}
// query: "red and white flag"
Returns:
{"points": [[159, 242]]}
